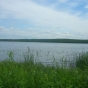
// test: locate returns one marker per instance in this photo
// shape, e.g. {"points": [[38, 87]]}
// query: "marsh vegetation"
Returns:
{"points": [[31, 74]]}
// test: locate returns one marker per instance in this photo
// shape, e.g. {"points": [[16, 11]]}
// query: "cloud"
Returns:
{"points": [[28, 33], [73, 4], [86, 7], [63, 1], [42, 19]]}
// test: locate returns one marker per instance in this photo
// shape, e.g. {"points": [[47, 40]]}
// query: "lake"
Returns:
{"points": [[44, 52]]}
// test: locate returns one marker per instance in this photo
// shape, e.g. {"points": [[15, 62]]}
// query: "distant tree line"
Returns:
{"points": [[47, 40]]}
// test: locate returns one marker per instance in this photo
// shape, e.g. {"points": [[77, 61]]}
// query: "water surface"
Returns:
{"points": [[42, 51]]}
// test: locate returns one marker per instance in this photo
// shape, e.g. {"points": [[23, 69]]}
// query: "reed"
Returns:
{"points": [[29, 74], [82, 60]]}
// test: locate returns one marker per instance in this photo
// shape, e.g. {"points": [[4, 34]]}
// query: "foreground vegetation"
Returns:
{"points": [[28, 74]]}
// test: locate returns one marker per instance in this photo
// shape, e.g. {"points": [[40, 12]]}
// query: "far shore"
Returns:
{"points": [[48, 40]]}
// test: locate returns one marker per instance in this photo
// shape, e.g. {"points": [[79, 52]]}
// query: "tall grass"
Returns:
{"points": [[29, 74], [82, 60]]}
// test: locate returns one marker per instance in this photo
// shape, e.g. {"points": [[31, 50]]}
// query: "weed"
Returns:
{"points": [[28, 74], [82, 60]]}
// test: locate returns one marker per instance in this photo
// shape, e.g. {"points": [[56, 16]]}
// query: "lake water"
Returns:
{"points": [[44, 52]]}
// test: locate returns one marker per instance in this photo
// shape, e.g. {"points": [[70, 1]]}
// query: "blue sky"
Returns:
{"points": [[35, 19]]}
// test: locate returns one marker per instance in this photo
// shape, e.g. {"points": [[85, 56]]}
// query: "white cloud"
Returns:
{"points": [[27, 33], [41, 17]]}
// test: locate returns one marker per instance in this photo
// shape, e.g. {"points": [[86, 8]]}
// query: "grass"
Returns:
{"points": [[28, 74], [82, 60]]}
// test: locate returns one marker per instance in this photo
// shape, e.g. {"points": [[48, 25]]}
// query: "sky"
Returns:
{"points": [[43, 19]]}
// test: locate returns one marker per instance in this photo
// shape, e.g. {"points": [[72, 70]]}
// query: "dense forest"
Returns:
{"points": [[47, 40]]}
